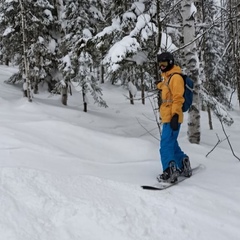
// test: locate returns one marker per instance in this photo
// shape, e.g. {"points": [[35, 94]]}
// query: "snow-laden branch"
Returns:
{"points": [[119, 51]]}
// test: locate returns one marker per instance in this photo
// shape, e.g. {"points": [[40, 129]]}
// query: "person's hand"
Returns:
{"points": [[174, 122]]}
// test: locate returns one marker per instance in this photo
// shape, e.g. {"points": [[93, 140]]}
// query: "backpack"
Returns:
{"points": [[188, 91]]}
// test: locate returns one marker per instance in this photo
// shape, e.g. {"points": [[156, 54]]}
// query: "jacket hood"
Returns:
{"points": [[174, 69]]}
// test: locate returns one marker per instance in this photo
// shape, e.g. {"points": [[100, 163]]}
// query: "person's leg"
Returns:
{"points": [[182, 160], [167, 145], [179, 155]]}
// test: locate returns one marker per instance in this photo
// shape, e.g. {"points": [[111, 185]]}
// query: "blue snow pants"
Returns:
{"points": [[169, 148]]}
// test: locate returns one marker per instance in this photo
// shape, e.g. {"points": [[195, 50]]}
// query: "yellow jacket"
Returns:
{"points": [[172, 95]]}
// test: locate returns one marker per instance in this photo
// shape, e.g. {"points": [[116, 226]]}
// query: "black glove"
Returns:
{"points": [[174, 122]]}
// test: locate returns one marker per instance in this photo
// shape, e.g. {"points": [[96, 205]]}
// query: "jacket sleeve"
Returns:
{"points": [[159, 85], [176, 85]]}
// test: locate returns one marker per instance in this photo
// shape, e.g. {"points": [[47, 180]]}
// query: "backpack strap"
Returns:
{"points": [[167, 84], [172, 75]]}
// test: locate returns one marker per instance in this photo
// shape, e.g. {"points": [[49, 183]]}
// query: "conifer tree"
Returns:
{"points": [[41, 30], [232, 29], [82, 20], [10, 26], [216, 84], [130, 41], [238, 47]]}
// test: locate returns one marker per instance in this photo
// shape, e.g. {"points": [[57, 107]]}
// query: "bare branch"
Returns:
{"points": [[229, 141], [149, 132], [218, 142]]}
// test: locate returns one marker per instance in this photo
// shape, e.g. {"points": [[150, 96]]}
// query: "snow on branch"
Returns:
{"points": [[8, 31], [110, 29], [144, 26], [119, 51], [132, 88]]}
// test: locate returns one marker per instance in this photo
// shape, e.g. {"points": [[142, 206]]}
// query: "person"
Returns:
{"points": [[174, 161]]}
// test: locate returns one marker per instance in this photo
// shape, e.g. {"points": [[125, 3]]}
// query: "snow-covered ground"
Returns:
{"points": [[70, 175]]}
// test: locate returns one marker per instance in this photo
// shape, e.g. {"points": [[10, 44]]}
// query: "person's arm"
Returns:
{"points": [[177, 89]]}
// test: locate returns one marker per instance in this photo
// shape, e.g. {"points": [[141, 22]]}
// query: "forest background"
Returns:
{"points": [[83, 44]]}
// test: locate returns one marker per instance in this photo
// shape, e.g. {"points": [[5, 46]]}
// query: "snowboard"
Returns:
{"points": [[164, 185]]}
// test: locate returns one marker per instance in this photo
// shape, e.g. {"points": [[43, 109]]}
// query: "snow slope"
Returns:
{"points": [[66, 174]]}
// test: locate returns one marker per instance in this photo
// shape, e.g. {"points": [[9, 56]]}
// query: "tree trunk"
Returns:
{"points": [[209, 118], [35, 91], [65, 94], [102, 72], [25, 61], [142, 87], [7, 61], [159, 37], [204, 54], [192, 63], [84, 100], [131, 98], [238, 48], [85, 107]]}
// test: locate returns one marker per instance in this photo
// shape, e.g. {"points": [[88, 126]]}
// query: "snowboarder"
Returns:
{"points": [[174, 160]]}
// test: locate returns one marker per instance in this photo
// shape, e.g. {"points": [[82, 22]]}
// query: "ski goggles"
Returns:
{"points": [[164, 64]]}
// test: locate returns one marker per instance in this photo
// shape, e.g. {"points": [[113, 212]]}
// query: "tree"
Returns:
{"points": [[25, 60], [41, 43], [192, 66], [78, 65], [238, 47], [132, 40], [215, 89], [10, 26], [234, 11]]}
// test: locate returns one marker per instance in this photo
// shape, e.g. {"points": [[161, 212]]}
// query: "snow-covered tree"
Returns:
{"points": [[192, 66], [41, 28], [132, 41], [81, 24], [87, 42], [238, 47], [216, 82], [10, 27], [232, 30]]}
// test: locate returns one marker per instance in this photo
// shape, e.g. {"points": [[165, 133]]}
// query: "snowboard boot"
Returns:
{"points": [[187, 170], [170, 174]]}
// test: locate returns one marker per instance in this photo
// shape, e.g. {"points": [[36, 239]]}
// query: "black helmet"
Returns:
{"points": [[166, 57]]}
